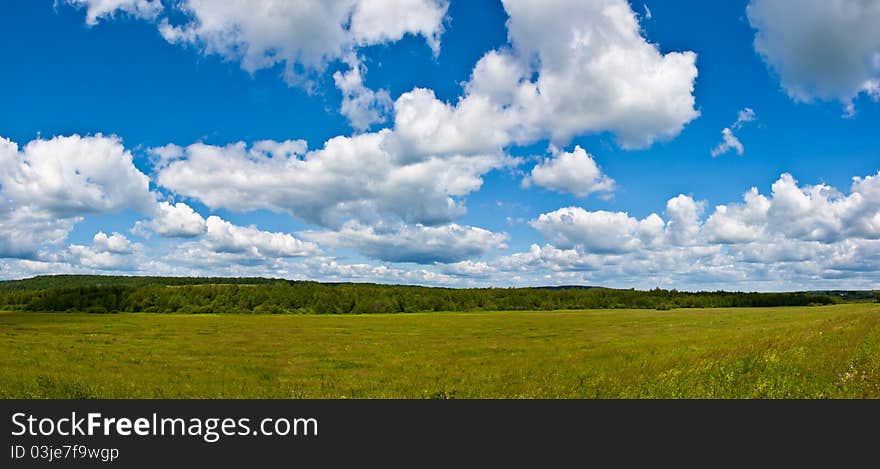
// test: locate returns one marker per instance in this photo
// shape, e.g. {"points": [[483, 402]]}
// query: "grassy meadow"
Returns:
{"points": [[787, 352]]}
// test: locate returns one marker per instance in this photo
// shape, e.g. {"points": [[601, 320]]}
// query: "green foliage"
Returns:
{"points": [[254, 295]]}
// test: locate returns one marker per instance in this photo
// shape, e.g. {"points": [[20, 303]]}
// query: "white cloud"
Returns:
{"points": [[387, 205], [595, 72], [796, 237], [75, 175], [743, 116], [381, 21], [551, 258], [107, 253], [469, 269], [103, 9], [302, 35], [808, 213], [88, 257], [572, 68], [116, 243], [817, 213], [729, 141], [161, 156], [424, 125], [224, 237], [229, 249], [24, 229], [683, 214], [574, 172], [51, 184], [362, 106], [738, 223], [826, 50], [598, 232], [350, 178], [413, 243], [575, 68], [335, 271], [173, 220]]}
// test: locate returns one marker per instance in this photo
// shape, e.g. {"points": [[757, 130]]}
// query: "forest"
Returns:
{"points": [[113, 294]]}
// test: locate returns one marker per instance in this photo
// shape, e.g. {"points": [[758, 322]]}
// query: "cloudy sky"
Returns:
{"points": [[680, 144]]}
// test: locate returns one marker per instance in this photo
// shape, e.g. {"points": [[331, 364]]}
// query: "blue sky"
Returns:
{"points": [[458, 206]]}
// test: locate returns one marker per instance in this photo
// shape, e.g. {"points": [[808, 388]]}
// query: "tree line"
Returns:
{"points": [[99, 294]]}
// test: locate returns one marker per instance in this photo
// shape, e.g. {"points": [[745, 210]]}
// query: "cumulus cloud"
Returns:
{"points": [[223, 236], [112, 253], [683, 220], [825, 50], [74, 175], [24, 229], [387, 205], [574, 172], [594, 72], [413, 243], [174, 221], [797, 236], [104, 9], [378, 21], [303, 36], [425, 125], [468, 269], [598, 232], [349, 178], [809, 213], [362, 106], [229, 249], [116, 243], [735, 223], [729, 141], [300, 36], [572, 68], [553, 259], [48, 186], [88, 257], [161, 156]]}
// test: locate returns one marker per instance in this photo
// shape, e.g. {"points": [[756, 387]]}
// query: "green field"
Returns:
{"points": [[790, 352]]}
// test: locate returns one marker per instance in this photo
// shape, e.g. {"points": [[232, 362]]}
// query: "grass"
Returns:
{"points": [[812, 352]]}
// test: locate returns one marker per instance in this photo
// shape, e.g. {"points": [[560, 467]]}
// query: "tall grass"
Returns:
{"points": [[791, 352]]}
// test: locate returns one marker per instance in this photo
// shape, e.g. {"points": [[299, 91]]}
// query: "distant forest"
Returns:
{"points": [[105, 294]]}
